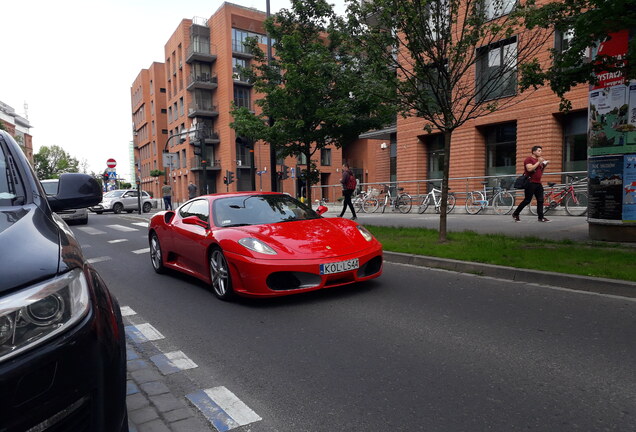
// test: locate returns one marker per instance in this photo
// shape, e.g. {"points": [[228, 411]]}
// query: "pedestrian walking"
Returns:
{"points": [[192, 190], [166, 191], [349, 183], [533, 167]]}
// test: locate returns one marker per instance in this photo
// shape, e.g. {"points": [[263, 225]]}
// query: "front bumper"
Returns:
{"points": [[76, 382], [260, 277]]}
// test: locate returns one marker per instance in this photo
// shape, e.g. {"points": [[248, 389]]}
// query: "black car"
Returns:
{"points": [[62, 342]]}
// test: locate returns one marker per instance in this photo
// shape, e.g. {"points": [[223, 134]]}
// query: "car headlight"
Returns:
{"points": [[365, 233], [34, 315], [256, 246]]}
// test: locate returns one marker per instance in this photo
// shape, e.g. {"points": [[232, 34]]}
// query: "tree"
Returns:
{"points": [[50, 162], [455, 60], [586, 23], [315, 91]]}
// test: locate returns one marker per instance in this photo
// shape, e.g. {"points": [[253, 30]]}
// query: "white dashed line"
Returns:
{"points": [[127, 311], [141, 251], [172, 362], [141, 224], [122, 228], [141, 333], [117, 241], [98, 259], [91, 230]]}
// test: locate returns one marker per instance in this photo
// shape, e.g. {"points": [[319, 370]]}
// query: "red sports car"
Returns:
{"points": [[262, 244]]}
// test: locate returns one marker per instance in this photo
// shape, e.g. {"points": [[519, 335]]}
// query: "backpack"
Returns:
{"points": [[351, 182]]}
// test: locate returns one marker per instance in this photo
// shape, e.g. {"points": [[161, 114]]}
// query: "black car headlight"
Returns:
{"points": [[34, 315]]}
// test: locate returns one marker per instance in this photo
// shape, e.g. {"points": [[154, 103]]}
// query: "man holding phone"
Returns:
{"points": [[533, 167]]}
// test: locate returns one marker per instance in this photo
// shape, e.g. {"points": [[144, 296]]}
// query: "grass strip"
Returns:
{"points": [[597, 259]]}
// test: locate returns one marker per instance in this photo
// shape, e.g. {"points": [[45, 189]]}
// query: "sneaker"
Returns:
{"points": [[544, 220], [516, 218], [354, 218]]}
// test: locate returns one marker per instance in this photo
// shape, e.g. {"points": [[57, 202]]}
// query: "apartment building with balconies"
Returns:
{"points": [[19, 128]]}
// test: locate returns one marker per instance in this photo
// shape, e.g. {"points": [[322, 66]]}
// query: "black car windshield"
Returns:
{"points": [[11, 188], [259, 209]]}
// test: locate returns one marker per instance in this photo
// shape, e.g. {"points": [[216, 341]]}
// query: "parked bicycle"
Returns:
{"points": [[402, 202], [501, 200], [575, 201], [434, 197], [367, 201]]}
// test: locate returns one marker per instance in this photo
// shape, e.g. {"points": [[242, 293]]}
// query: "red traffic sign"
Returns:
{"points": [[111, 163]]}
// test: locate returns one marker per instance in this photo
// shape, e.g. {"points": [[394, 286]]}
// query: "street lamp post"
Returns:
{"points": [[272, 150]]}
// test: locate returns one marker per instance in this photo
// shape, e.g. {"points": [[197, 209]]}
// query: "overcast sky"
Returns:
{"points": [[73, 62]]}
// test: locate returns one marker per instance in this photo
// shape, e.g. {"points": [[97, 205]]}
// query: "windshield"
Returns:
{"points": [[114, 194], [259, 209], [11, 188]]}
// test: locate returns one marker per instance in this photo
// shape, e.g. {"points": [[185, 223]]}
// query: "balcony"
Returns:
{"points": [[240, 51], [241, 79], [203, 81], [201, 52], [202, 110], [195, 164], [213, 138]]}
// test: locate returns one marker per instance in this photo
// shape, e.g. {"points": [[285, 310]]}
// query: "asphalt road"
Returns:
{"points": [[417, 349]]}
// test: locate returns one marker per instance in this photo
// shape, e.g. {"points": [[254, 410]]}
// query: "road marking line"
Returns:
{"points": [[122, 228], [222, 408], [91, 230], [141, 333], [98, 259], [141, 224], [172, 362], [117, 241], [140, 251], [127, 311]]}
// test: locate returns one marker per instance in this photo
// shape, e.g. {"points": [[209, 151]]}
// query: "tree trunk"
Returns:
{"points": [[444, 204], [308, 178]]}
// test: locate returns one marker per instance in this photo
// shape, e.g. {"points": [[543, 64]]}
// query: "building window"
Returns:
{"points": [[496, 8], [435, 156], [501, 149], [237, 64], [162, 90], [325, 157], [575, 142], [243, 158], [242, 97], [497, 70], [239, 37]]}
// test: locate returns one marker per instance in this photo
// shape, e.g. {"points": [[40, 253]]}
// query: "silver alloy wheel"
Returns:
{"points": [[155, 253], [219, 273]]}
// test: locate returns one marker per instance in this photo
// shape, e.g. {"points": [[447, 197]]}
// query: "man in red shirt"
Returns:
{"points": [[533, 167]]}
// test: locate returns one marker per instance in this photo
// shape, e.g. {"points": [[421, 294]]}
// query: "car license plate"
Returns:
{"points": [[339, 267]]}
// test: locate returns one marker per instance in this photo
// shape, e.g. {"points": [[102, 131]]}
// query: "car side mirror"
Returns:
{"points": [[75, 191], [194, 220], [321, 209]]}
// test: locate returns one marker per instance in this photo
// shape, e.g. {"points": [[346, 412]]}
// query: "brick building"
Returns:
{"points": [[19, 128], [195, 88]]}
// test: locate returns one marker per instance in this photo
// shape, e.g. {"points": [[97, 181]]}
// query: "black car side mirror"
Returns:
{"points": [[74, 191]]}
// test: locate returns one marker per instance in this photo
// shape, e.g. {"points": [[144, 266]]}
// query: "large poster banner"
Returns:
{"points": [[629, 188], [612, 104], [605, 188]]}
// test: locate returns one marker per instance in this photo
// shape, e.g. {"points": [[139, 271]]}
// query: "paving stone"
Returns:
{"points": [[190, 425], [136, 401], [155, 388], [153, 426], [135, 365], [145, 375], [143, 415], [166, 402], [178, 414], [131, 387], [131, 354]]}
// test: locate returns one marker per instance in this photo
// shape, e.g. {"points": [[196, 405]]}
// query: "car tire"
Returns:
{"points": [[220, 275], [99, 212], [117, 208], [146, 207], [156, 256], [129, 211]]}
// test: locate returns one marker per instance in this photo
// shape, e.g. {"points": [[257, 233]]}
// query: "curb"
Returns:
{"points": [[573, 282]]}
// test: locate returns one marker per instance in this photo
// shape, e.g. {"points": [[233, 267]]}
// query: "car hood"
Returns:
{"points": [[29, 246], [316, 238]]}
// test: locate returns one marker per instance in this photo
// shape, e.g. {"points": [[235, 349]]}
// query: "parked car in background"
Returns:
{"points": [[120, 200], [71, 215], [62, 340]]}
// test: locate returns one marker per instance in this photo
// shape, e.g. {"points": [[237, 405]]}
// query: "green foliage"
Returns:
{"points": [[2, 126], [125, 185], [590, 21], [156, 173], [590, 259], [316, 91], [50, 162]]}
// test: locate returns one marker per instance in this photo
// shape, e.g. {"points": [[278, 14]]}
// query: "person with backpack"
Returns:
{"points": [[349, 184]]}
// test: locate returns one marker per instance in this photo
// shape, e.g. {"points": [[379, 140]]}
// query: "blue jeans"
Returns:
{"points": [[167, 202]]}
